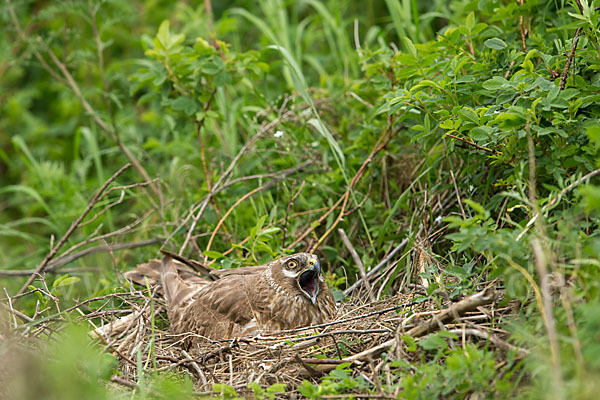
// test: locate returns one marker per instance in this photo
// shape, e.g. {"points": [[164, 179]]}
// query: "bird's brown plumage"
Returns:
{"points": [[287, 293]]}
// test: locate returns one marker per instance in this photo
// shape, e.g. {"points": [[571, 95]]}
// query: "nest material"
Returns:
{"points": [[358, 335]]}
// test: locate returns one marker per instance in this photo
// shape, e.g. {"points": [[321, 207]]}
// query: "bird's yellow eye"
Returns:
{"points": [[291, 264]]}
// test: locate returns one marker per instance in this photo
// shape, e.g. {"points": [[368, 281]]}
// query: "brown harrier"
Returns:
{"points": [[287, 293]]}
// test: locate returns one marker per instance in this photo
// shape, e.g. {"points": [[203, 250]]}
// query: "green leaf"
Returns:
{"points": [[468, 114], [495, 44], [470, 21], [433, 342], [185, 104], [65, 280], [212, 254], [410, 46], [593, 132], [495, 83]]}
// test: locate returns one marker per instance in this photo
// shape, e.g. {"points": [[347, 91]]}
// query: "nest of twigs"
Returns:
{"points": [[357, 337]]}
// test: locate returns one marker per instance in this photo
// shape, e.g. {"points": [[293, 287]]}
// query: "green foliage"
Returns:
{"points": [[485, 155]]}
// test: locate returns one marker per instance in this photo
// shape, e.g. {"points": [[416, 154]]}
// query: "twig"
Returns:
{"points": [[36, 53], [357, 317], [18, 313], [195, 366], [266, 186], [222, 178], [357, 261], [565, 73], [61, 261], [360, 99], [67, 80], [312, 227], [340, 332], [378, 267], [120, 200], [318, 360], [94, 238], [492, 338], [484, 297], [27, 272], [380, 145], [72, 228], [311, 371], [478, 147], [123, 382], [462, 210]]}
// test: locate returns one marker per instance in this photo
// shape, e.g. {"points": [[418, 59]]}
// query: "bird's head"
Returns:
{"points": [[299, 273]]}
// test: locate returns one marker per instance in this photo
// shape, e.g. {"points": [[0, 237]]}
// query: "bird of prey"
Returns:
{"points": [[286, 293]]}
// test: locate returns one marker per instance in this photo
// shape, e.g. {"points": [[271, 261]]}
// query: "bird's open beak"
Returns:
{"points": [[308, 280]]}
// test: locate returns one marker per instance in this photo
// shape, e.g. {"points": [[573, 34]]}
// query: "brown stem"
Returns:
{"points": [[478, 147], [565, 73]]}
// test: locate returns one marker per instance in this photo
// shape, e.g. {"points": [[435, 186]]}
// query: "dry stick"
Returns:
{"points": [[27, 272], [196, 367], [377, 268], [472, 144], [61, 261], [72, 228], [565, 73], [82, 303], [321, 219], [484, 297], [199, 125], [343, 199], [318, 360], [216, 186], [356, 317], [288, 209], [556, 199], [17, 313], [357, 261], [124, 382], [93, 238], [107, 101], [341, 332], [332, 227], [378, 147], [267, 185], [462, 210], [492, 338], [121, 197]]}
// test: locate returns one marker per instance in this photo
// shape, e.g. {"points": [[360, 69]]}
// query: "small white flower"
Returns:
{"points": [[278, 134], [314, 144]]}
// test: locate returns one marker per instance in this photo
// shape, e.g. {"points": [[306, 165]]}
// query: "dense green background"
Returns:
{"points": [[87, 86]]}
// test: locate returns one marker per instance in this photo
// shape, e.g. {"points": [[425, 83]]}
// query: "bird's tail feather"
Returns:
{"points": [[179, 282], [147, 273]]}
